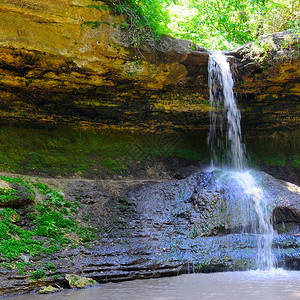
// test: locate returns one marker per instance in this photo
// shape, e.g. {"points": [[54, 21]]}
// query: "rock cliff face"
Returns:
{"points": [[70, 61], [67, 61], [268, 81]]}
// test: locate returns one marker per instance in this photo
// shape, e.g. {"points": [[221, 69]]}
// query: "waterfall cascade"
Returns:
{"points": [[228, 152], [224, 115]]}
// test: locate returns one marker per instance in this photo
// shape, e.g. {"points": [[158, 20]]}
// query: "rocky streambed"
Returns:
{"points": [[147, 228]]}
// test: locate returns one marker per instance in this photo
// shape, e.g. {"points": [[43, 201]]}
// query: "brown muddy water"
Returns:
{"points": [[250, 285]]}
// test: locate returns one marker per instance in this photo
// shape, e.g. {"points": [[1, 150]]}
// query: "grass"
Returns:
{"points": [[7, 195], [15, 240], [38, 274]]}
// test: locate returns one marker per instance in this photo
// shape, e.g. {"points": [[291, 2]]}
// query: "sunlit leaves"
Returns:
{"points": [[214, 24], [220, 24]]}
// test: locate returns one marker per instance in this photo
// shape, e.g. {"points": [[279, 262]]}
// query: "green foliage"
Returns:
{"points": [[21, 266], [221, 24], [274, 161], [77, 204], [87, 234], [263, 51], [53, 220], [50, 266], [73, 210], [12, 246], [145, 19], [52, 196], [296, 162], [13, 194], [214, 24], [66, 151], [6, 265], [15, 265], [96, 6], [14, 240], [7, 195], [52, 224], [274, 153], [21, 181], [113, 165], [38, 274]]}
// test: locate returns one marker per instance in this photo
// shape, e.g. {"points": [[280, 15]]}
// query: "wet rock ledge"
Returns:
{"points": [[147, 229]]}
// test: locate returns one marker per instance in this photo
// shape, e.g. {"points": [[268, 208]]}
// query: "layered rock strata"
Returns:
{"points": [[151, 229], [71, 62]]}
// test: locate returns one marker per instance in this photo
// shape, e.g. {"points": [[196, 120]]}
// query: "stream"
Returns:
{"points": [[259, 285]]}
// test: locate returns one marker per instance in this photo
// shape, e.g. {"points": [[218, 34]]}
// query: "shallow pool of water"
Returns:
{"points": [[251, 285]]}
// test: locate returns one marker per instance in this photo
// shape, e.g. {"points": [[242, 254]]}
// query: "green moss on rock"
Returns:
{"points": [[76, 281], [48, 289], [48, 227], [15, 192]]}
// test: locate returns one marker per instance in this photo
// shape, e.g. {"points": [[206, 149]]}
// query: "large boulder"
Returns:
{"points": [[216, 202]]}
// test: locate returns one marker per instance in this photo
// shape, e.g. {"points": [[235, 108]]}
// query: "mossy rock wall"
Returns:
{"points": [[70, 63]]}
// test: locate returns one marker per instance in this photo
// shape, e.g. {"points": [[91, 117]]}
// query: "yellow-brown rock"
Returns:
{"points": [[63, 36], [70, 61]]}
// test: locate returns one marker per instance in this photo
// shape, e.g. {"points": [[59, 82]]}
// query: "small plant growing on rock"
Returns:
{"points": [[261, 51], [194, 233], [38, 274]]}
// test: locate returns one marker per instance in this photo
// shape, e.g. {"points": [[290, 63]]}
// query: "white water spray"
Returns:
{"points": [[228, 151], [262, 226]]}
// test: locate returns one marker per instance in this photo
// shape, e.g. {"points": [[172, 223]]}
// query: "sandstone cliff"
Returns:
{"points": [[71, 61]]}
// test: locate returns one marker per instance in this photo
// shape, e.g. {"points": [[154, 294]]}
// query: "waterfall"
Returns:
{"points": [[224, 110], [225, 141]]}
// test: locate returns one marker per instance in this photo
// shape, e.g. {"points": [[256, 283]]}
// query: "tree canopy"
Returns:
{"points": [[215, 24]]}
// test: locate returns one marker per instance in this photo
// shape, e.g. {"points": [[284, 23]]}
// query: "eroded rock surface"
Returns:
{"points": [[151, 229], [67, 62]]}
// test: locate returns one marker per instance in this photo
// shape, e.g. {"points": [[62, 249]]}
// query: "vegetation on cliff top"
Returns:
{"points": [[214, 24], [146, 19], [223, 24]]}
